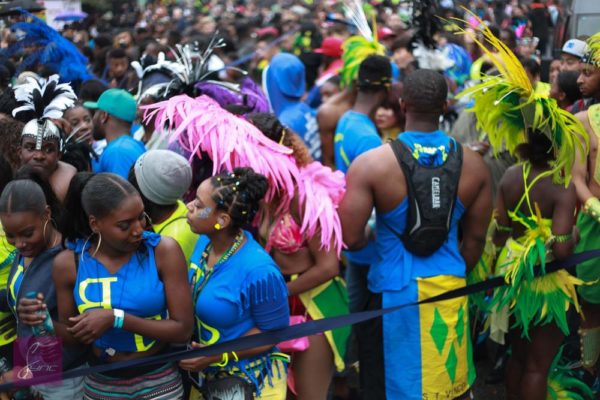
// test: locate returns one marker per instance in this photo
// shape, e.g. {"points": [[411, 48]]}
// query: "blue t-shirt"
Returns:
{"points": [[136, 288], [355, 134], [119, 156], [245, 291]]}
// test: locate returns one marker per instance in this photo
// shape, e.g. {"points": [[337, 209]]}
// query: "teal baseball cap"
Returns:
{"points": [[116, 102]]}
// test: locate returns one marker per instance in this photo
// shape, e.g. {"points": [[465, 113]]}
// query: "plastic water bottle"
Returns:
{"points": [[45, 328]]}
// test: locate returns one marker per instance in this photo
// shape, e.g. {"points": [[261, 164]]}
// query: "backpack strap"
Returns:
{"points": [[409, 165]]}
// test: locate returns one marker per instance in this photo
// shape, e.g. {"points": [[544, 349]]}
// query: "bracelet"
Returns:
{"points": [[563, 238], [119, 318]]}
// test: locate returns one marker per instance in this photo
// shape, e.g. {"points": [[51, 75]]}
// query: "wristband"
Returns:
{"points": [[592, 208], [119, 318], [563, 238]]}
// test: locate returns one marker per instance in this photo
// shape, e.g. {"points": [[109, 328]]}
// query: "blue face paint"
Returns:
{"points": [[204, 213]]}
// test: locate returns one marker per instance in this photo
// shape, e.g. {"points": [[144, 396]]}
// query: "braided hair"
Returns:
{"points": [[239, 194]]}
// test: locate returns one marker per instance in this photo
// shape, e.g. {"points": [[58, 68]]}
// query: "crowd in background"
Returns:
{"points": [[103, 187]]}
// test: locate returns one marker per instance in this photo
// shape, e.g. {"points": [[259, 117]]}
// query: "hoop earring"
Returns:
{"points": [[98, 245], [148, 220], [44, 231]]}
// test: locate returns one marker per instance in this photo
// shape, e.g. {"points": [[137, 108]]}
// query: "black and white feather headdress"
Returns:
{"points": [[39, 101]]}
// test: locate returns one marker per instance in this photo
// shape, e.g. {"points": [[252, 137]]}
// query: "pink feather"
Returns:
{"points": [[320, 191], [201, 125]]}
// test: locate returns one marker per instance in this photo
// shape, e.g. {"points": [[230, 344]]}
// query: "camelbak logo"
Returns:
{"points": [[435, 192]]}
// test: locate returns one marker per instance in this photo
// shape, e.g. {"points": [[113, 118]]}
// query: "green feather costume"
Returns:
{"points": [[507, 108]]}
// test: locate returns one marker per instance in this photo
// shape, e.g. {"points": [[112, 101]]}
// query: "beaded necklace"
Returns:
{"points": [[228, 253]]}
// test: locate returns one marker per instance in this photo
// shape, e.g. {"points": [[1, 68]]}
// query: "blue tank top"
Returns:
{"points": [[396, 267], [135, 288]]}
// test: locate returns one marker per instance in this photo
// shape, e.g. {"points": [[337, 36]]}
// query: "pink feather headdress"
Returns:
{"points": [[200, 125], [320, 191]]}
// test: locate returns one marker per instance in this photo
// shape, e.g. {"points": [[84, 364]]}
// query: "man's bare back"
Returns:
{"points": [[328, 116], [389, 184], [61, 178], [379, 174]]}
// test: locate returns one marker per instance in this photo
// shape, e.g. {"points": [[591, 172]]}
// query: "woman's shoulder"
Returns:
{"points": [[64, 261], [252, 250]]}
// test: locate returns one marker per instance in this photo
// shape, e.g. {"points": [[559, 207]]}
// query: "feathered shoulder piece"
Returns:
{"points": [[320, 192], [507, 107], [358, 47], [39, 101], [51, 49], [592, 55], [201, 126]]}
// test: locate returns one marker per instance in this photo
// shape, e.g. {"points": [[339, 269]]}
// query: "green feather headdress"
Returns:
{"points": [[359, 47], [592, 55], [507, 106]]}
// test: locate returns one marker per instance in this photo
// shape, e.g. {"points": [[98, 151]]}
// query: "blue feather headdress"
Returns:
{"points": [[51, 50]]}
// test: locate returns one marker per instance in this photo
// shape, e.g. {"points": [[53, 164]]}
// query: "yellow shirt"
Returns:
{"points": [[176, 226]]}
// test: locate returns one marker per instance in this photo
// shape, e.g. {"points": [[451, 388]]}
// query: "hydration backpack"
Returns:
{"points": [[432, 195]]}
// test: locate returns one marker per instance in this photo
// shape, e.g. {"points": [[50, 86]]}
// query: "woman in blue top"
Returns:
{"points": [[119, 288], [27, 221], [237, 288]]}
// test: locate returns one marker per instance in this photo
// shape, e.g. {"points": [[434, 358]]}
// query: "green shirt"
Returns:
{"points": [[176, 226]]}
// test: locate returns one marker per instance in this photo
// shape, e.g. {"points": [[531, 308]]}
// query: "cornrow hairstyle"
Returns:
{"points": [[239, 194], [272, 128]]}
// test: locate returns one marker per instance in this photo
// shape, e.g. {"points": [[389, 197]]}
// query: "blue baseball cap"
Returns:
{"points": [[116, 102]]}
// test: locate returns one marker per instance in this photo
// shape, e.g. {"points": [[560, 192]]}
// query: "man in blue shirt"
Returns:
{"points": [[356, 134], [115, 113]]}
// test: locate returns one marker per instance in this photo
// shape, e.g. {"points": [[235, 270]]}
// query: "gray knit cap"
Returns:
{"points": [[163, 176]]}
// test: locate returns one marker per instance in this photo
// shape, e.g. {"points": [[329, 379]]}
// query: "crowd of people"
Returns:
{"points": [[191, 173]]}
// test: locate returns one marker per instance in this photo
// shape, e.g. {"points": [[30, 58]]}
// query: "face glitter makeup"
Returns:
{"points": [[205, 213]]}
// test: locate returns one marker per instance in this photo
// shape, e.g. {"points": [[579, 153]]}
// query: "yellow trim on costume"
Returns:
{"points": [[13, 281], [339, 137]]}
